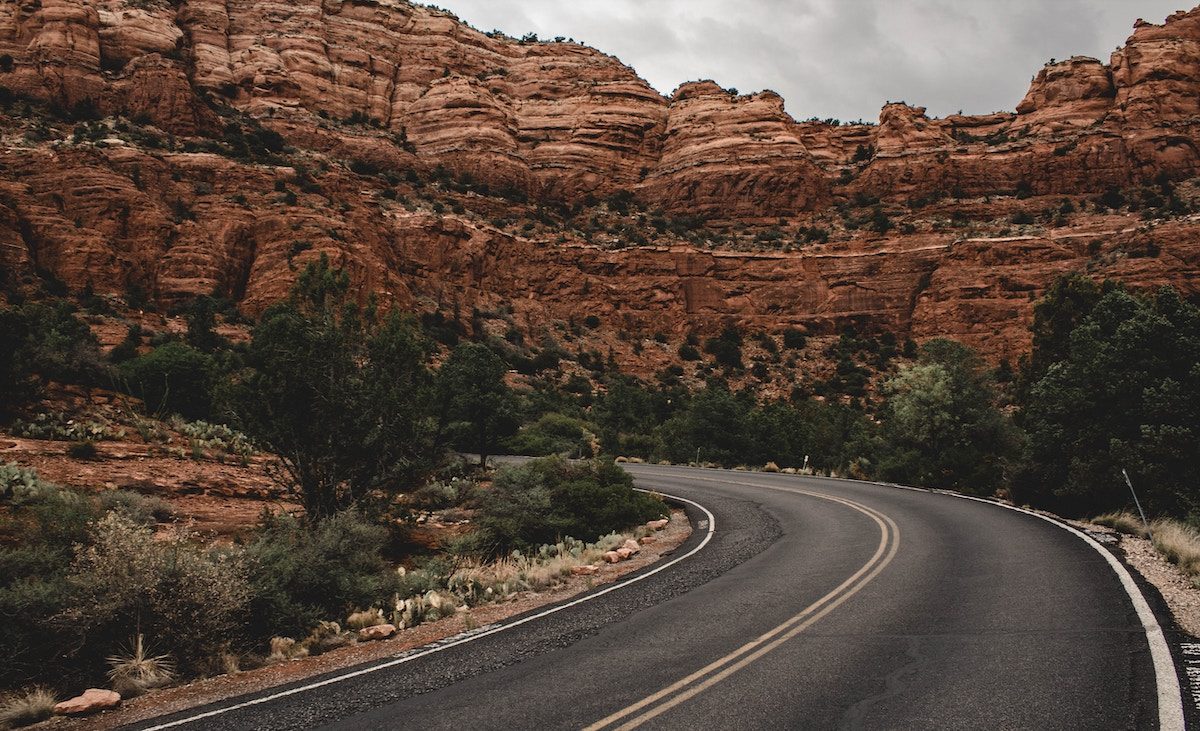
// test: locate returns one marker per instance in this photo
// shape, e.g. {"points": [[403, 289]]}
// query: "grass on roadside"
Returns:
{"points": [[1178, 542], [1122, 522], [27, 708]]}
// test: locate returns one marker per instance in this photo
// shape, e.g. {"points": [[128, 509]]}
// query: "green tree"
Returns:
{"points": [[173, 378], [16, 384], [1068, 300], [1123, 393], [940, 427], [201, 321], [474, 401], [45, 341], [342, 398], [717, 422], [626, 408]]}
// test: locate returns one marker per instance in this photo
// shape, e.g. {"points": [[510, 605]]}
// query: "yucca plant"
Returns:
{"points": [[136, 671]]}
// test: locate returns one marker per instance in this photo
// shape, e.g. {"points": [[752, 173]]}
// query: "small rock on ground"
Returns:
{"points": [[92, 700]]}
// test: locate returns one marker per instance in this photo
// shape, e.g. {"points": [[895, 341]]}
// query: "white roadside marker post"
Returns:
{"points": [[1136, 501]]}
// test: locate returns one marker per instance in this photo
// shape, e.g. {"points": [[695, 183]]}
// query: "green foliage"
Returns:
{"points": [[627, 412], [1123, 391], [794, 339], [45, 522], [552, 434], [218, 437], [474, 402], [716, 421], [200, 315], [301, 574], [82, 450], [547, 499], [141, 509], [940, 426], [1064, 306], [126, 582], [880, 222], [59, 426], [726, 349], [173, 378], [127, 349], [341, 398], [48, 341]]}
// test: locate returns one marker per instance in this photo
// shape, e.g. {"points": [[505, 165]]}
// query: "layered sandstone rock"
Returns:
{"points": [[1077, 93], [729, 157], [371, 93]]}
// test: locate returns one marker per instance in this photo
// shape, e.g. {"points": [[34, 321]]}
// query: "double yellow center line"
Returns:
{"points": [[720, 669]]}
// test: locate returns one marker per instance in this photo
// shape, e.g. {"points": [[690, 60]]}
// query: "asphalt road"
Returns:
{"points": [[815, 604]]}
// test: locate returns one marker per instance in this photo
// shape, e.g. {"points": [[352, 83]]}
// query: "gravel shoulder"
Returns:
{"points": [[1182, 597]]}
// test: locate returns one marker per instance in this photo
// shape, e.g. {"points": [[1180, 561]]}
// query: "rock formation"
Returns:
{"points": [[239, 139]]}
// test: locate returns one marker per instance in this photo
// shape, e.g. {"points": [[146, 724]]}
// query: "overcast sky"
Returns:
{"points": [[836, 58]]}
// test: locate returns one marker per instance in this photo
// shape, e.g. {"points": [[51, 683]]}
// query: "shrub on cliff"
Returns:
{"points": [[547, 499], [726, 349], [45, 341], [173, 378]]}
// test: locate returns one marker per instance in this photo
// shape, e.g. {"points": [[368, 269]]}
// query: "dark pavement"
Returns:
{"points": [[885, 609]]}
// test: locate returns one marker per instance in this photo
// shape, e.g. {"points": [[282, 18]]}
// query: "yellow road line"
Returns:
{"points": [[688, 687]]}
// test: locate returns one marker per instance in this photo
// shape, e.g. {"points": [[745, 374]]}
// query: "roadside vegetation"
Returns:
{"points": [[358, 412]]}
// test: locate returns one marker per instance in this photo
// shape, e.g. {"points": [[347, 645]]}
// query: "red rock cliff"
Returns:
{"points": [[374, 96]]}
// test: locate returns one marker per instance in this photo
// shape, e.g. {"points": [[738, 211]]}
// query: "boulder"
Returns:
{"points": [[377, 632], [631, 545], [647, 540], [585, 570], [657, 524], [612, 557], [624, 553], [93, 700]]}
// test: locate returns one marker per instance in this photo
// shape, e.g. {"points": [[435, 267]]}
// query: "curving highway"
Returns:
{"points": [[798, 603]]}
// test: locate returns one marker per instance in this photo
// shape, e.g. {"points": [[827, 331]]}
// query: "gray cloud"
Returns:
{"points": [[835, 58]]}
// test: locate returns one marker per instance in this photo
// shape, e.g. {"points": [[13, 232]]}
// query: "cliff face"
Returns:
{"points": [[379, 102]]}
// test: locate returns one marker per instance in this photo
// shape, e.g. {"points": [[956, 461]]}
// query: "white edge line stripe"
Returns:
{"points": [[1170, 698], [712, 525]]}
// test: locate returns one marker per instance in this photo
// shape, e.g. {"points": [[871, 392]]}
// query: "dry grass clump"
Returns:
{"points": [[286, 648], [548, 567], [24, 709], [135, 672], [362, 620], [1123, 522], [326, 636], [1180, 544]]}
